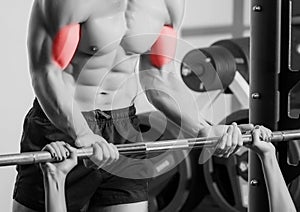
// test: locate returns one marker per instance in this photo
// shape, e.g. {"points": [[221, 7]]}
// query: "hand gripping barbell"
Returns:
{"points": [[141, 148]]}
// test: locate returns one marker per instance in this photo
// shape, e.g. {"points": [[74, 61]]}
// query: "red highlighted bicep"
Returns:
{"points": [[65, 44], [163, 50]]}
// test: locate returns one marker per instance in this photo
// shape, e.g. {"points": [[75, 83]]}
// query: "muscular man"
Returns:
{"points": [[82, 56]]}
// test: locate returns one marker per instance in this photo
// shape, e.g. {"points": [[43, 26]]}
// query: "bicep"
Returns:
{"points": [[38, 41], [157, 66], [65, 44], [153, 78], [46, 50], [176, 10], [163, 50]]}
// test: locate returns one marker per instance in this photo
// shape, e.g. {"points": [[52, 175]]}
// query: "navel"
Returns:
{"points": [[94, 49]]}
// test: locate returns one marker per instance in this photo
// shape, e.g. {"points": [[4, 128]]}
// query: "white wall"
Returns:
{"points": [[204, 13], [15, 89], [212, 13]]}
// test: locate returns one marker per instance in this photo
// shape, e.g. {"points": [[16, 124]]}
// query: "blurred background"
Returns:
{"points": [[205, 22]]}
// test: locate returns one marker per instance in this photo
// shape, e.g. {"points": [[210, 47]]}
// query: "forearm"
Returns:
{"points": [[54, 186], [57, 100], [179, 110], [169, 95], [279, 196]]}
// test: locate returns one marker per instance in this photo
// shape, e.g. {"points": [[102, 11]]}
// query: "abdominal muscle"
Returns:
{"points": [[98, 86]]}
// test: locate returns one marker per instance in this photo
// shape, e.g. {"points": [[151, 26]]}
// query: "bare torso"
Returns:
{"points": [[113, 35]]}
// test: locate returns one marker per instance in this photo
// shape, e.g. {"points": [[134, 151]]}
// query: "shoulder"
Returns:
{"points": [[59, 13], [176, 10]]}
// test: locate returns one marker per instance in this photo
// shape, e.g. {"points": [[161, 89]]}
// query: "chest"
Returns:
{"points": [[132, 24]]}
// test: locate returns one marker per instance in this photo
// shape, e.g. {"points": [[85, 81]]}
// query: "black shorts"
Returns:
{"points": [[84, 186]]}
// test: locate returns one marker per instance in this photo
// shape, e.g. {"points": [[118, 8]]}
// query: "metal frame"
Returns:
{"points": [[270, 83], [264, 105]]}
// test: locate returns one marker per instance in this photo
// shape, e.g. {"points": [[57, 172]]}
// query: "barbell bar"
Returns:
{"points": [[141, 148], [296, 20]]}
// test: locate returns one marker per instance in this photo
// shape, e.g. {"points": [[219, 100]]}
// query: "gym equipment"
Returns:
{"points": [[141, 148], [170, 190], [172, 176], [294, 188], [227, 179], [294, 185], [294, 52], [177, 184], [214, 67], [239, 48], [274, 84], [194, 69]]}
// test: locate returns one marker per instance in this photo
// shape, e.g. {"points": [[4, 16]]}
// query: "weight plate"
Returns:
{"points": [[240, 49], [170, 184], [226, 178]]}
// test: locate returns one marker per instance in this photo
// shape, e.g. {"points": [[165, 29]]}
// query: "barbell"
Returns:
{"points": [[141, 148]]}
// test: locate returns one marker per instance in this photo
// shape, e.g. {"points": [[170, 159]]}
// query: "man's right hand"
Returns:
{"points": [[104, 153]]}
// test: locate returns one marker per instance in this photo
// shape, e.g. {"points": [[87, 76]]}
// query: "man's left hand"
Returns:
{"points": [[230, 137]]}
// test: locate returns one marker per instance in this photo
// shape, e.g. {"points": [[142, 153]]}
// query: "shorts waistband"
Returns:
{"points": [[95, 114], [104, 115]]}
